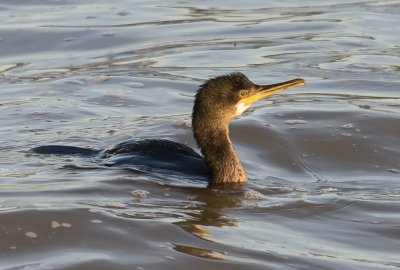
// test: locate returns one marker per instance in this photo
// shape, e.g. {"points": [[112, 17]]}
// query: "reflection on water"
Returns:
{"points": [[323, 160]]}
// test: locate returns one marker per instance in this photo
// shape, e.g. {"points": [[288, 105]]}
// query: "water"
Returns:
{"points": [[323, 160]]}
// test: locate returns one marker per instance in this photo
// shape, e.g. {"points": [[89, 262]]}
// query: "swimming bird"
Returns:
{"points": [[217, 102]]}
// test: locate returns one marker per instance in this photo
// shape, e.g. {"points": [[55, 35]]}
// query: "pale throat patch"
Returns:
{"points": [[240, 108]]}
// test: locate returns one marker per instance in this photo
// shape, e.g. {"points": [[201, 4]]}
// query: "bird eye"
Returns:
{"points": [[243, 93]]}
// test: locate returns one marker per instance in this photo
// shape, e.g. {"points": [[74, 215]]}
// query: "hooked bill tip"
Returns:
{"points": [[299, 80]]}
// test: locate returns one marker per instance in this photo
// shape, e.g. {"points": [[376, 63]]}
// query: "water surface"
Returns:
{"points": [[323, 160]]}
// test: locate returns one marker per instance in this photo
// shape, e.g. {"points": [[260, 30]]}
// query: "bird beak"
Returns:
{"points": [[268, 90]]}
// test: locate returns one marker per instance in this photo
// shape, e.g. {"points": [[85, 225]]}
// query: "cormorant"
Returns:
{"points": [[217, 102]]}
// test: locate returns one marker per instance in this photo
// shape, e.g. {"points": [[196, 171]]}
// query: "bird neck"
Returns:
{"points": [[224, 164]]}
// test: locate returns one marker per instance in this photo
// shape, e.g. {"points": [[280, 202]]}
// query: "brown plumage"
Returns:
{"points": [[217, 102]]}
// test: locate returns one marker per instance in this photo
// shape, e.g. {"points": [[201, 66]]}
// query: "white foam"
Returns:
{"points": [[140, 193]]}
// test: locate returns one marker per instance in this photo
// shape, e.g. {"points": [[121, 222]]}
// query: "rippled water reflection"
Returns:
{"points": [[323, 160]]}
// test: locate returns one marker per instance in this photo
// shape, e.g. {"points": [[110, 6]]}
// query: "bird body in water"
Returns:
{"points": [[217, 102]]}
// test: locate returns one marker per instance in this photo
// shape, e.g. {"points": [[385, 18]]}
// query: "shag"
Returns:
{"points": [[217, 102]]}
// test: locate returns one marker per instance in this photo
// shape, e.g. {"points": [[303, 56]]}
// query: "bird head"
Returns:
{"points": [[228, 96]]}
